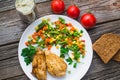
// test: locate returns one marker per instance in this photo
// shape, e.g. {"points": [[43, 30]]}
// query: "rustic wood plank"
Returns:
{"points": [[117, 77], [99, 30], [10, 4], [10, 67], [21, 77], [9, 61], [104, 75], [101, 71], [9, 51], [11, 28]]}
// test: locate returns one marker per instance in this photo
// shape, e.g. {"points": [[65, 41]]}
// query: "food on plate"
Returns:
{"points": [[88, 20], [73, 11], [55, 65], [61, 34], [39, 65], [43, 61], [57, 6], [28, 54], [107, 46], [117, 56]]}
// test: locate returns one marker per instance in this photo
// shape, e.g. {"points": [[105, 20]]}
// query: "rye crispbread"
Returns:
{"points": [[107, 46], [117, 56]]}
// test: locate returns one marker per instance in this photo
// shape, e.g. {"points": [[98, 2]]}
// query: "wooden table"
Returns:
{"points": [[107, 13]]}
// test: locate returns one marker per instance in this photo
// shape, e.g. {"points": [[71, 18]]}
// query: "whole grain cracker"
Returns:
{"points": [[107, 46]]}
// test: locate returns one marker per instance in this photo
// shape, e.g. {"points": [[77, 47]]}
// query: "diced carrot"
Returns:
{"points": [[69, 25], [76, 38], [49, 47], [27, 43], [39, 34], [70, 42], [83, 52], [35, 33], [61, 28], [45, 28], [69, 39], [34, 36], [72, 29], [42, 36], [80, 46], [66, 24], [47, 40], [40, 31], [32, 42]]}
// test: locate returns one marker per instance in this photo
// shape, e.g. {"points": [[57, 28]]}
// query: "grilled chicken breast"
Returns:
{"points": [[39, 65], [55, 65]]}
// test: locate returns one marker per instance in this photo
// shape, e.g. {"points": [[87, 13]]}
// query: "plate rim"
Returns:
{"points": [[59, 16]]}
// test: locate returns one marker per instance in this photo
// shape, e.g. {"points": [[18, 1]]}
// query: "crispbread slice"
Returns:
{"points": [[117, 56], [107, 46]]}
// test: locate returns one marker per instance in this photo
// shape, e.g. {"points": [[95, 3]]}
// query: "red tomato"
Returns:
{"points": [[57, 6], [88, 20], [73, 11]]}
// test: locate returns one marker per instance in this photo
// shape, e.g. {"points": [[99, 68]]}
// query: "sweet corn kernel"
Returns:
{"points": [[76, 29], [71, 32], [48, 35], [72, 57], [77, 43], [29, 37], [53, 39], [43, 19], [60, 35], [66, 39], [48, 19], [57, 37], [34, 40], [74, 42], [82, 43], [36, 28], [78, 60], [57, 47], [81, 34]]}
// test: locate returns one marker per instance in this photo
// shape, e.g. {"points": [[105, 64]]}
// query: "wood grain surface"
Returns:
{"points": [[107, 13]]}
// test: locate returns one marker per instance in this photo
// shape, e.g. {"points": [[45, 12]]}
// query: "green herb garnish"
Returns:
{"points": [[28, 54], [69, 60], [62, 20], [63, 51], [75, 64]]}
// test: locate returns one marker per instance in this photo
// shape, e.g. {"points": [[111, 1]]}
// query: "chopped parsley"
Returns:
{"points": [[28, 54]]}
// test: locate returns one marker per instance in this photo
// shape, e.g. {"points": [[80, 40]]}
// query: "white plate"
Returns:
{"points": [[76, 73]]}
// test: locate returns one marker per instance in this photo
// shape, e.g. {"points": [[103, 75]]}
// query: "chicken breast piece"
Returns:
{"points": [[39, 65], [55, 65]]}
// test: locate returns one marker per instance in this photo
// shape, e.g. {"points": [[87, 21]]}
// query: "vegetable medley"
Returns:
{"points": [[59, 33]]}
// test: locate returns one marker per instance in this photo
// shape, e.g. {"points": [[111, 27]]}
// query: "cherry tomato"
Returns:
{"points": [[73, 11], [88, 20], [57, 6]]}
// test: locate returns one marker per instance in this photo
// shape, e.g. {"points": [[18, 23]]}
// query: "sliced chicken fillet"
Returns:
{"points": [[39, 65], [55, 65]]}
